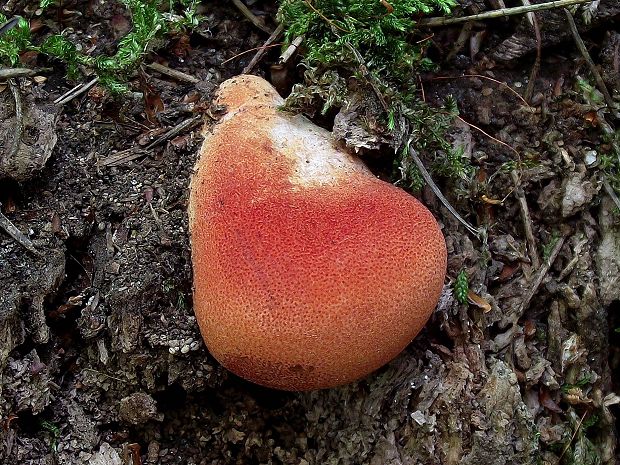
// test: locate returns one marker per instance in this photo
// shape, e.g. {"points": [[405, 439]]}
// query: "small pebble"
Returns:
{"points": [[590, 157]]}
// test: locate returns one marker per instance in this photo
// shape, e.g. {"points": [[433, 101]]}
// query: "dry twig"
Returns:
{"points": [[542, 272], [275, 35], [573, 436], [527, 221], [463, 37], [260, 50], [325, 18], [122, 157], [571, 265], [173, 73], [16, 234], [75, 92], [610, 191], [10, 24], [134, 153], [245, 11], [429, 180], [529, 91], [593, 69], [290, 51], [19, 120], [12, 73], [369, 77], [179, 128], [442, 21]]}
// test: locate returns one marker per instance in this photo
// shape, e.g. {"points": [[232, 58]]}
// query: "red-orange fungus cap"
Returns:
{"points": [[309, 272]]}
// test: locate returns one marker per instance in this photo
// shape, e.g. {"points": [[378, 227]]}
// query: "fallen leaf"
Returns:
{"points": [[491, 201], [478, 301], [547, 402]]}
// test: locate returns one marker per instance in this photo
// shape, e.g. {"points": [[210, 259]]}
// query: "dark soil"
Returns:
{"points": [[101, 360]]}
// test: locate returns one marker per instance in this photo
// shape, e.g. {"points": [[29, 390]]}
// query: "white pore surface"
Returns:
{"points": [[315, 157]]}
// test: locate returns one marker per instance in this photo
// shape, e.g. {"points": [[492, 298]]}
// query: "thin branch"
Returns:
{"points": [[122, 157], [16, 234], [442, 21], [10, 24], [10, 73], [586, 55], [290, 51], [75, 92], [326, 19], [542, 272], [259, 52], [529, 91], [245, 11], [18, 133], [422, 92], [427, 178], [612, 193], [578, 427], [527, 221], [577, 255], [173, 73], [463, 37], [369, 77], [275, 35], [133, 153], [172, 132]]}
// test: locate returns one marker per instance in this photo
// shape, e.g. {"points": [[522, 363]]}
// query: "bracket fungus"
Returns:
{"points": [[309, 272]]}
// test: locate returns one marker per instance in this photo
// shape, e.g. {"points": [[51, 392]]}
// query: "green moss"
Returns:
{"points": [[547, 248], [376, 44], [150, 21], [13, 41], [379, 30], [54, 432], [461, 287]]}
